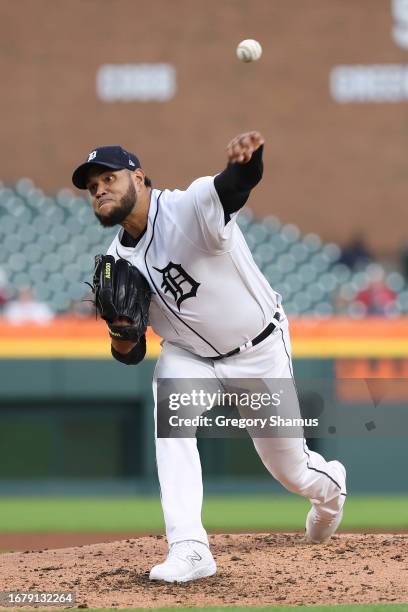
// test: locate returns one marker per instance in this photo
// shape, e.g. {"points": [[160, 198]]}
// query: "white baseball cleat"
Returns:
{"points": [[321, 526], [187, 560]]}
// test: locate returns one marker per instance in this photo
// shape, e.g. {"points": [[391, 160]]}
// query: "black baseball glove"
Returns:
{"points": [[121, 292]]}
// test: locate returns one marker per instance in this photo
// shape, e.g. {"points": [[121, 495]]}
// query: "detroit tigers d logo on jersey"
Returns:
{"points": [[176, 281]]}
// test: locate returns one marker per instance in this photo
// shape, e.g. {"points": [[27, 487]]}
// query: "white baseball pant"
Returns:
{"points": [[288, 460]]}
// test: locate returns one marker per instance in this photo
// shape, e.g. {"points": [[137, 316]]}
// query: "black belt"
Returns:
{"points": [[259, 338]]}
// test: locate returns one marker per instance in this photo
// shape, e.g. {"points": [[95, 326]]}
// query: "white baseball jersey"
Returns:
{"points": [[209, 296]]}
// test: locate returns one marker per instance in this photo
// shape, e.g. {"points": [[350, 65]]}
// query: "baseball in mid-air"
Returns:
{"points": [[249, 50]]}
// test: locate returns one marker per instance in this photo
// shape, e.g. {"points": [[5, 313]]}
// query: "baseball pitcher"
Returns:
{"points": [[180, 261]]}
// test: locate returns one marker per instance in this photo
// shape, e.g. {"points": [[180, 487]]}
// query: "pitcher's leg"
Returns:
{"points": [[288, 459], [304, 472], [178, 460], [181, 488], [291, 462]]}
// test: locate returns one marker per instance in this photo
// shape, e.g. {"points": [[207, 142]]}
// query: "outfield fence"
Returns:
{"points": [[73, 420]]}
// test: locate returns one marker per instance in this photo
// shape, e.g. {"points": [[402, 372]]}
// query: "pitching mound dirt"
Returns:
{"points": [[253, 569]]}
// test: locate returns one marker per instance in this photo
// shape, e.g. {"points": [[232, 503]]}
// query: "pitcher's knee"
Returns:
{"points": [[293, 480], [294, 486], [287, 463]]}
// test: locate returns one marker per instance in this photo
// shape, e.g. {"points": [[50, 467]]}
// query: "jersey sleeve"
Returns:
{"points": [[235, 183], [209, 215]]}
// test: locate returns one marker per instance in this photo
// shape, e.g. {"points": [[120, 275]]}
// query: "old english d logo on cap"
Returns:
{"points": [[114, 157]]}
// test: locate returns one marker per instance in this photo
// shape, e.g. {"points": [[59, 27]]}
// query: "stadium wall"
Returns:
{"points": [[81, 421], [333, 165]]}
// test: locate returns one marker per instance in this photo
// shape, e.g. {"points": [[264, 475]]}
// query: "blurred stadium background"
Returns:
{"points": [[326, 226]]}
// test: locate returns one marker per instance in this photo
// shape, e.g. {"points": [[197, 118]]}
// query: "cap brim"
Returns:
{"points": [[80, 176]]}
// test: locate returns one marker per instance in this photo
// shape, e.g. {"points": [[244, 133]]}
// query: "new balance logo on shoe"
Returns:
{"points": [[194, 558], [185, 563]]}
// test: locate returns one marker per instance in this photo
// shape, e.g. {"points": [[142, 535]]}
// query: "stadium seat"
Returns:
{"points": [[49, 243]]}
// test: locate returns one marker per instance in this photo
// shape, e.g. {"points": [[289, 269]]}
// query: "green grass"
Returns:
{"points": [[238, 513]]}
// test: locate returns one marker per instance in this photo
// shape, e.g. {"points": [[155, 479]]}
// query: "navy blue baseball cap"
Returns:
{"points": [[109, 157]]}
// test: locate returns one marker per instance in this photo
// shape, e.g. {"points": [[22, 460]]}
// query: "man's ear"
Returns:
{"points": [[138, 177]]}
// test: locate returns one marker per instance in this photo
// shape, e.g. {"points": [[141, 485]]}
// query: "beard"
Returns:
{"points": [[119, 212]]}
